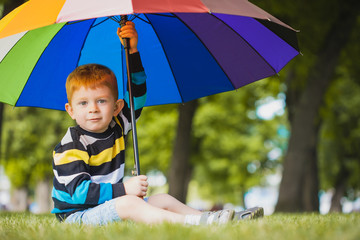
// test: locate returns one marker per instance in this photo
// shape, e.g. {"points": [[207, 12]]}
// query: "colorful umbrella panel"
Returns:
{"points": [[185, 55]]}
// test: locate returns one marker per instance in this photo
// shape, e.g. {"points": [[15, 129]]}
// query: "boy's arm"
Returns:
{"points": [[138, 87], [138, 76]]}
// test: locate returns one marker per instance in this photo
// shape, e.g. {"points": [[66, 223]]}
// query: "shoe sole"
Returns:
{"points": [[251, 213], [258, 212]]}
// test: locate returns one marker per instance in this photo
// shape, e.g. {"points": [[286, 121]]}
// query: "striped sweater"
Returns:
{"points": [[89, 167]]}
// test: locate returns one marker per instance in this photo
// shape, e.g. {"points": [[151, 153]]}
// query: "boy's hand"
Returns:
{"points": [[129, 31], [137, 186]]}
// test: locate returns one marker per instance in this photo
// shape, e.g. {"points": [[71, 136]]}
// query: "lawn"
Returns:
{"points": [[15, 226]]}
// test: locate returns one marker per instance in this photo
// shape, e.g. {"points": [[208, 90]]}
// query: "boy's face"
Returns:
{"points": [[93, 109]]}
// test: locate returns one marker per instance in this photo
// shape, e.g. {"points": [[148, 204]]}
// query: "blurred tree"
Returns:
{"points": [[30, 135], [234, 143], [340, 131], [156, 134], [181, 169], [326, 29]]}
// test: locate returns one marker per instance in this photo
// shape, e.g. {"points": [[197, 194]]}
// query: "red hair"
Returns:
{"points": [[91, 76]]}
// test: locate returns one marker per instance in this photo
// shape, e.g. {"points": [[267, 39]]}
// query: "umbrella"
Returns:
{"points": [[189, 48]]}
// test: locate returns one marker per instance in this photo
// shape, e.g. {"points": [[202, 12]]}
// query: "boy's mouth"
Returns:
{"points": [[94, 119]]}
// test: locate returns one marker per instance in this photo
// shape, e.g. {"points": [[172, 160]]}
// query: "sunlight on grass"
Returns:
{"points": [[278, 226]]}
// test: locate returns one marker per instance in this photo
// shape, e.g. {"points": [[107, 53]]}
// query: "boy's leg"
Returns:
{"points": [[167, 202], [136, 209], [192, 216]]}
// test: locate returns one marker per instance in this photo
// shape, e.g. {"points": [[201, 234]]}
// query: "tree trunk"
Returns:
{"points": [[340, 188], [19, 200], [310, 185], [181, 168], [299, 184], [336, 198], [43, 196]]}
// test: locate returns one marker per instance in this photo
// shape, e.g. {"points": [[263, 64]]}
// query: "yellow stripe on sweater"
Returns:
{"points": [[96, 160], [108, 154], [71, 156]]}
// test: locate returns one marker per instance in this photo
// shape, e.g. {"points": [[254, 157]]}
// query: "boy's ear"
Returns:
{"points": [[119, 104], [69, 110]]}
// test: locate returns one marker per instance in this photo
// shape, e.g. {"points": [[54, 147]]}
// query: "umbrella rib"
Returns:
{"points": [[115, 18], [140, 18], [163, 15], [87, 34], [267, 63], [102, 22], [176, 82], [75, 22], [207, 50]]}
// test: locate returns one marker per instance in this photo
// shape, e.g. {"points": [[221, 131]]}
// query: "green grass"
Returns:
{"points": [[278, 226]]}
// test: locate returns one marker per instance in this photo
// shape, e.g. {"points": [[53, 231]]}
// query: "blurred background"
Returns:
{"points": [[289, 143]]}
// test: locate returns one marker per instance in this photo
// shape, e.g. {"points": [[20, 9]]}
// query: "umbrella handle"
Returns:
{"points": [[126, 43], [123, 20]]}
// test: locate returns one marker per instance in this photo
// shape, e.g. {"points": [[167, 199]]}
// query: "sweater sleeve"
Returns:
{"points": [[138, 87]]}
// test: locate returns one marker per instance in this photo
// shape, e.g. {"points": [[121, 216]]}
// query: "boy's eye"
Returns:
{"points": [[101, 101], [82, 103]]}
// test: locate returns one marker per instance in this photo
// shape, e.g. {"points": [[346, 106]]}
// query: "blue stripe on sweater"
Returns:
{"points": [[139, 102], [138, 78], [79, 196], [106, 192], [56, 210]]}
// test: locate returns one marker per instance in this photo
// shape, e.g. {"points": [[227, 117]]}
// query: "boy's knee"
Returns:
{"points": [[162, 200], [125, 205], [125, 202], [163, 196]]}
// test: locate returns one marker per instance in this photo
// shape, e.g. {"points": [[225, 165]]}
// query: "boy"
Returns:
{"points": [[89, 162]]}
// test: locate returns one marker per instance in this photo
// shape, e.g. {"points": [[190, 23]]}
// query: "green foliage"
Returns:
{"points": [[30, 135], [156, 130], [291, 226], [234, 143], [340, 133], [338, 139]]}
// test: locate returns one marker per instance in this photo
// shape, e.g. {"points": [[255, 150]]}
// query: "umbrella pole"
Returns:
{"points": [[126, 43]]}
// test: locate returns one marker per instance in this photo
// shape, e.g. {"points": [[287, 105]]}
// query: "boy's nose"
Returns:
{"points": [[93, 108]]}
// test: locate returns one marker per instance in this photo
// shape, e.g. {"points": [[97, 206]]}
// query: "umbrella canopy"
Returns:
{"points": [[189, 48]]}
